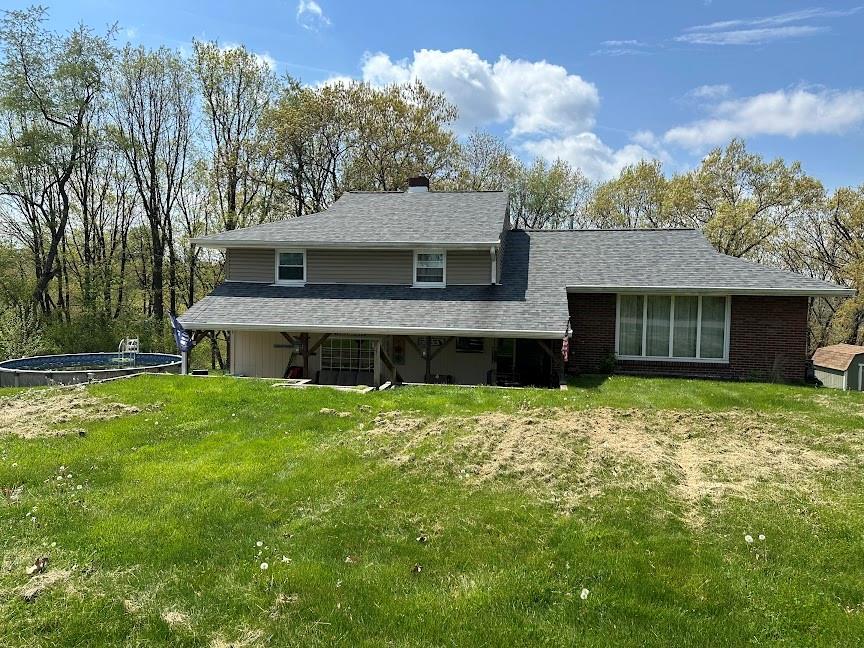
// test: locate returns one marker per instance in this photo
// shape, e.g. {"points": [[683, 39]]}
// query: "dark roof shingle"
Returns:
{"points": [[662, 260], [383, 218]]}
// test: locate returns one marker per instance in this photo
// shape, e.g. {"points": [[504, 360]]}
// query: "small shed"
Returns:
{"points": [[840, 366]]}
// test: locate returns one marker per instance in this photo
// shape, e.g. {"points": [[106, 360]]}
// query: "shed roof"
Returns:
{"points": [[837, 356], [381, 219]]}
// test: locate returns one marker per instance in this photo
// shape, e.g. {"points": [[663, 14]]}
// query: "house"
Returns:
{"points": [[840, 366], [425, 286]]}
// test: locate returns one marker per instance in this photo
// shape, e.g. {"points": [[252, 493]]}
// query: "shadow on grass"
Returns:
{"points": [[588, 381]]}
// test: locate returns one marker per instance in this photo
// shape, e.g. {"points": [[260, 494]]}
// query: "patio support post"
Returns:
{"points": [[304, 339], [428, 356]]}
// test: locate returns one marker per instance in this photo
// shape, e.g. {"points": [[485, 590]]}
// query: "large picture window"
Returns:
{"points": [[676, 327], [290, 266], [430, 268]]}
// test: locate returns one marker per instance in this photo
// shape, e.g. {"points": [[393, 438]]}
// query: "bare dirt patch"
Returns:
{"points": [[52, 412], [174, 618], [247, 639], [568, 456], [36, 585]]}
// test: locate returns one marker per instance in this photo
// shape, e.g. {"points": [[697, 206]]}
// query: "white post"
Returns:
{"points": [[184, 363]]}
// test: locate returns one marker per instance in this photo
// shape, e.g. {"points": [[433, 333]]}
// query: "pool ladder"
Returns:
{"points": [[127, 349]]}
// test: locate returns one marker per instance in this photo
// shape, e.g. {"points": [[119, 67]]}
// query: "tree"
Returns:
{"points": [[50, 85], [483, 162], [635, 199], [312, 131], [237, 89], [401, 131], [152, 108], [548, 196], [742, 203]]}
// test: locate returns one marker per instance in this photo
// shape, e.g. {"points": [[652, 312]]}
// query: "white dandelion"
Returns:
{"points": [[748, 539], [762, 537], [264, 566], [259, 544], [584, 593]]}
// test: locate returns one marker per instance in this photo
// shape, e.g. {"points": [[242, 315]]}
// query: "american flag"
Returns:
{"points": [[565, 343]]}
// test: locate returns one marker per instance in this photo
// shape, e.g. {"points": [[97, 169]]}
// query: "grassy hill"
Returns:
{"points": [[621, 512]]}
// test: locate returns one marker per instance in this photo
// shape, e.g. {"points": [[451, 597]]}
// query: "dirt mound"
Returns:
{"points": [[48, 412], [567, 456]]}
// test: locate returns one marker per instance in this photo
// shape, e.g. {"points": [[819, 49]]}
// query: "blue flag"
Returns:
{"points": [[181, 337]]}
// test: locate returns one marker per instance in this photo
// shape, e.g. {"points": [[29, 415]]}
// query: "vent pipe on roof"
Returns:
{"points": [[418, 183]]}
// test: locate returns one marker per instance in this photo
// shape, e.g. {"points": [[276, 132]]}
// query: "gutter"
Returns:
{"points": [[312, 245], [716, 290], [370, 330]]}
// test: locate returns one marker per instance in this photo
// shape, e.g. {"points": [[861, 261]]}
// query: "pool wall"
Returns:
{"points": [[13, 373]]}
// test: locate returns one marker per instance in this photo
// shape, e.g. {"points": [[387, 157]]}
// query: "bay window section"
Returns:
{"points": [[675, 327], [658, 313], [713, 338], [686, 324], [630, 317]]}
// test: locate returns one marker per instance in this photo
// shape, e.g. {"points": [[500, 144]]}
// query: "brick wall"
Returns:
{"points": [[768, 340]]}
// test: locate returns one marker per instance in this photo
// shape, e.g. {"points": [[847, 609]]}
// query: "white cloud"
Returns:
{"points": [[311, 16], [778, 19], [131, 33], [749, 36], [530, 97], [545, 110], [627, 47], [597, 160], [715, 91], [756, 31], [785, 112]]}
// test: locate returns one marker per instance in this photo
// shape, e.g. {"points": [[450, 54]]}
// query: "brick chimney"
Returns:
{"points": [[418, 183]]}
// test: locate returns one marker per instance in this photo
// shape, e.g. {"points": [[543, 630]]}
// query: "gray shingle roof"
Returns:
{"points": [[384, 218], [525, 303], [662, 260], [538, 270]]}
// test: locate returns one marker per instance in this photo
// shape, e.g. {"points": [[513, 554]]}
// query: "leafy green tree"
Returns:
{"points": [[483, 162], [548, 196], [50, 85], [742, 203], [237, 89], [153, 99], [401, 131], [635, 199]]}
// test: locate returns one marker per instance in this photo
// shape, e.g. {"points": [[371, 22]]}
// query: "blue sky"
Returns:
{"points": [[598, 83]]}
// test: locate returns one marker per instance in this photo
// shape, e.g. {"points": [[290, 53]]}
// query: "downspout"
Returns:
{"points": [[494, 256]]}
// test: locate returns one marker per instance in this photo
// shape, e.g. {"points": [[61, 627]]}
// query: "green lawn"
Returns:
{"points": [[433, 516]]}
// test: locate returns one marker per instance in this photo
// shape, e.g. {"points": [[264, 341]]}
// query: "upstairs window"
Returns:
{"points": [[673, 327], [430, 268], [290, 267]]}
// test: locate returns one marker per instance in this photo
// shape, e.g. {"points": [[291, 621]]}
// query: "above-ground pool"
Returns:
{"points": [[74, 368]]}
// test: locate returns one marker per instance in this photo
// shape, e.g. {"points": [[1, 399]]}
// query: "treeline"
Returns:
{"points": [[112, 159]]}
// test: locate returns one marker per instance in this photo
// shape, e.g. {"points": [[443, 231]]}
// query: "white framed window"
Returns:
{"points": [[291, 267], [430, 268], [680, 328]]}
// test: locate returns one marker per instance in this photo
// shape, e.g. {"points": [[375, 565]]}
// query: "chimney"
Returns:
{"points": [[418, 183]]}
